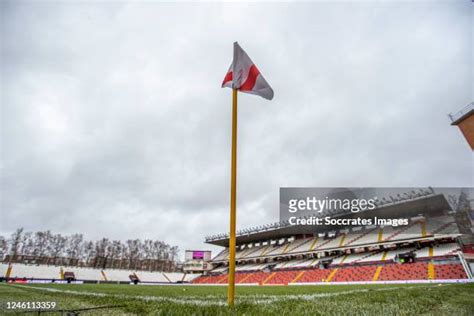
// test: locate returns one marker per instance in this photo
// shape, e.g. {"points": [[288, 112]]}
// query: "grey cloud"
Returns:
{"points": [[113, 122]]}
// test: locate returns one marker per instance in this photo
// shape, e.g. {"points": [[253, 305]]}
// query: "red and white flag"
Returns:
{"points": [[244, 76]]}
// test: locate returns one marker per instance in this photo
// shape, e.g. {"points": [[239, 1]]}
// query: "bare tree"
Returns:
{"points": [[45, 247], [57, 246], [27, 244], [88, 252], [15, 243], [75, 244], [174, 253], [41, 243], [133, 252], [3, 247]]}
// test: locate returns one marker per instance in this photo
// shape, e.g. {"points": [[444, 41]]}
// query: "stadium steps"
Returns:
{"points": [[103, 275], [431, 271], [446, 249], [240, 276], [354, 273], [253, 251], [277, 249], [268, 278], [334, 242], [298, 276], [223, 279], [314, 243], [377, 273], [222, 255], [9, 271], [339, 260], [336, 259], [265, 250], [283, 277], [247, 252], [243, 253], [325, 243], [344, 259], [299, 245], [286, 248], [359, 236], [245, 278], [313, 262], [399, 231], [380, 235], [384, 256], [370, 254], [430, 252], [423, 229], [166, 277], [285, 264], [61, 273], [442, 227], [341, 243], [200, 280], [257, 277], [314, 275], [331, 275]]}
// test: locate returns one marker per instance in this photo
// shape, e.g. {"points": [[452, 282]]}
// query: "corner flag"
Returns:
{"points": [[242, 76]]}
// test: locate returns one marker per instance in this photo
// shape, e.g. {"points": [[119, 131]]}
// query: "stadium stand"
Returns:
{"points": [[281, 277], [145, 276], [222, 255], [118, 275], [315, 275], [187, 278], [386, 272], [3, 269], [431, 242], [440, 226], [35, 271], [86, 273], [173, 277], [449, 271], [270, 256], [362, 273], [412, 271], [44, 272], [256, 277]]}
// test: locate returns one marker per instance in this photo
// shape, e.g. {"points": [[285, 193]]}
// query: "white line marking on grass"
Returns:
{"points": [[189, 300], [268, 299], [210, 300]]}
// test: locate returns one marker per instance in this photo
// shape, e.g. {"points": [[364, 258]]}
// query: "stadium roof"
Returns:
{"points": [[428, 204], [456, 118]]}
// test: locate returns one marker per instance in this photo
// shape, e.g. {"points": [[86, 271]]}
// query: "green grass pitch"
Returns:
{"points": [[422, 299]]}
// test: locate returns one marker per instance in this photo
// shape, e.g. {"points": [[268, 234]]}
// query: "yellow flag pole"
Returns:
{"points": [[233, 202]]}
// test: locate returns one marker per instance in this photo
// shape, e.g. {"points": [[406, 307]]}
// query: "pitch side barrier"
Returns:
{"points": [[159, 283], [450, 281], [191, 284], [214, 284], [43, 281], [387, 282]]}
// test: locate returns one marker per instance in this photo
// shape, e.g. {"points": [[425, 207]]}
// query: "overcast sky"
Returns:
{"points": [[113, 122]]}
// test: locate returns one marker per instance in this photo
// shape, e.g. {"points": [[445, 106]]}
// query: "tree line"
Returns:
{"points": [[45, 247]]}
